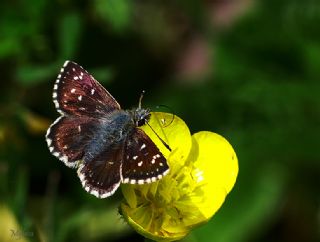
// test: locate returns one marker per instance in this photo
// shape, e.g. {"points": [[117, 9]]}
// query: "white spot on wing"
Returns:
{"points": [[81, 176], [56, 154], [95, 193], [140, 163], [92, 91], [65, 63], [49, 141], [108, 194], [64, 159], [80, 98], [48, 131], [166, 172], [56, 104], [143, 146]]}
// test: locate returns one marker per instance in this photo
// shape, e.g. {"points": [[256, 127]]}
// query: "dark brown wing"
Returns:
{"points": [[101, 175], [142, 162], [67, 138], [76, 92]]}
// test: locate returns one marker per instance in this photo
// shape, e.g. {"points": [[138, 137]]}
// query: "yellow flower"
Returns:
{"points": [[203, 170]]}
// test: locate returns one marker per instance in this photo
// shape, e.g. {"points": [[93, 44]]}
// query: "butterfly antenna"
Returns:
{"points": [[171, 111], [140, 99], [162, 141]]}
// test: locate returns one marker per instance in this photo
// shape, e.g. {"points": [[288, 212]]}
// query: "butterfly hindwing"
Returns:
{"points": [[67, 138], [101, 175], [143, 161], [76, 92]]}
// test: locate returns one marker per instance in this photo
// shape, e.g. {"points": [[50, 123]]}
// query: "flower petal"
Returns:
{"points": [[215, 169], [174, 132]]}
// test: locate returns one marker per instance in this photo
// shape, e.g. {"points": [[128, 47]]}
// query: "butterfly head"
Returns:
{"points": [[141, 116]]}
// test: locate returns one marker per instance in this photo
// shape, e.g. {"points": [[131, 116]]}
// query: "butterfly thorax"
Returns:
{"points": [[114, 129], [110, 132]]}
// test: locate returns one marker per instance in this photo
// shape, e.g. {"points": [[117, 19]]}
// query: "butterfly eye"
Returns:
{"points": [[141, 122], [141, 117]]}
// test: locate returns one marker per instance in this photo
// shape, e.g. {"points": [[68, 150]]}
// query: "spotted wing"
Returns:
{"points": [[76, 92], [143, 161], [67, 138], [101, 175]]}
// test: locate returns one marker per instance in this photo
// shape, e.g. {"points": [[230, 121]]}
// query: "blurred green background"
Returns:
{"points": [[248, 70]]}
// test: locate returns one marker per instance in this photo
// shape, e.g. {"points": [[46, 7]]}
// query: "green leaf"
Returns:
{"points": [[102, 74], [116, 13], [9, 46], [35, 74], [70, 33]]}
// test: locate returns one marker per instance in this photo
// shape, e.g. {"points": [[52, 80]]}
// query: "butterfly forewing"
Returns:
{"points": [[76, 92], [143, 161], [67, 137]]}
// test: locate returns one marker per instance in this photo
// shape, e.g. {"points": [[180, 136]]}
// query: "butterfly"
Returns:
{"points": [[98, 138]]}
